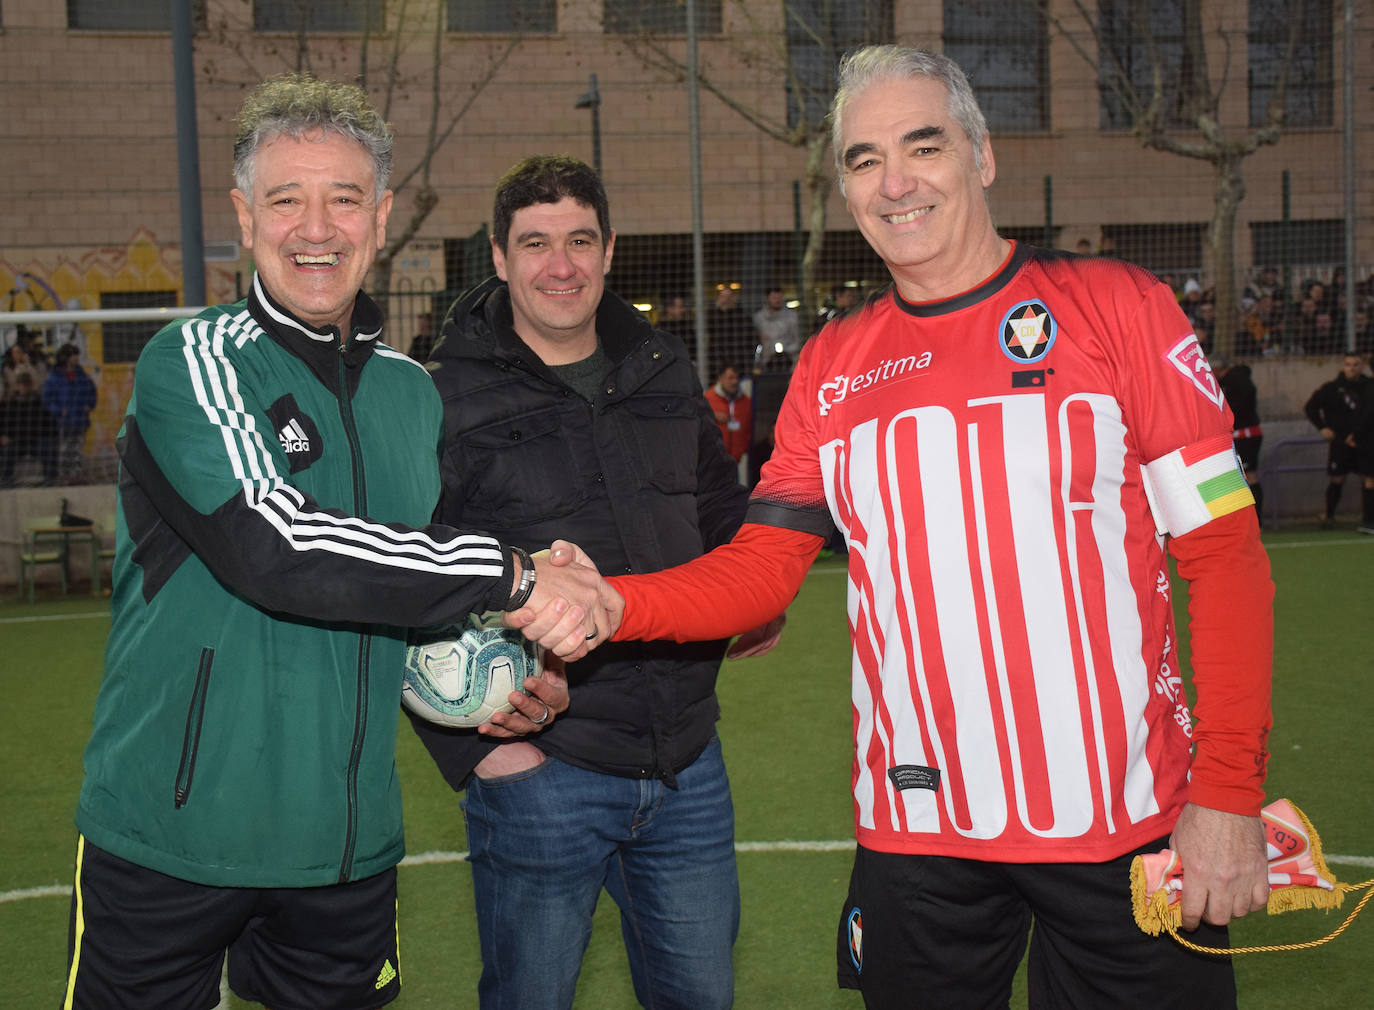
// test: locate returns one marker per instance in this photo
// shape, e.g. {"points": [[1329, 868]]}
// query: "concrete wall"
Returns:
{"points": [[19, 506]]}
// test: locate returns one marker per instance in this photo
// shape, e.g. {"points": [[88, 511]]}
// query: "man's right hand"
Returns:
{"points": [[569, 626]]}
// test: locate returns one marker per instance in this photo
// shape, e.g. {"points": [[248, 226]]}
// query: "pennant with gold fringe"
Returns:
{"points": [[1298, 878]]}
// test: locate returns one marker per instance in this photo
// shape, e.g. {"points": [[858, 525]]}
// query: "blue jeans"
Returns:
{"points": [[544, 842]]}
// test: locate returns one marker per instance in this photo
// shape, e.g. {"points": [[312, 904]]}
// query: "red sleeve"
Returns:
{"points": [[1231, 632], [736, 587]]}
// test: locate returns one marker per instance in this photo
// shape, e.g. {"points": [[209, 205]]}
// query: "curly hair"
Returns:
{"points": [[294, 105]]}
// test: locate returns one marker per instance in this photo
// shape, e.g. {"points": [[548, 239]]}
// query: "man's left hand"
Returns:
{"points": [[547, 698], [759, 641], [1225, 866]]}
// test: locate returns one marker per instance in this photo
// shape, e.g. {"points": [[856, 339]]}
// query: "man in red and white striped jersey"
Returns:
{"points": [[1009, 438]]}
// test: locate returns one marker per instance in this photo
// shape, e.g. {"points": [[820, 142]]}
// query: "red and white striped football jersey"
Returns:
{"points": [[1015, 688]]}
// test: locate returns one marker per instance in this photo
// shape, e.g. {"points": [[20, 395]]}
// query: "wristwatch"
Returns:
{"points": [[522, 593]]}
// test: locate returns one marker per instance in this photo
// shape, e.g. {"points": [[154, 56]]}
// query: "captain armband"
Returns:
{"points": [[1190, 487]]}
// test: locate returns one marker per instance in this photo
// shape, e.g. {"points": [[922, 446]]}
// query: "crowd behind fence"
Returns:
{"points": [[61, 403]]}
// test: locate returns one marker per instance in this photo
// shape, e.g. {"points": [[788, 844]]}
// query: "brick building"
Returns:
{"points": [[90, 185]]}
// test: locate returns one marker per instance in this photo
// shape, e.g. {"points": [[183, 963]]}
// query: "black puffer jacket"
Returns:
{"points": [[639, 479]]}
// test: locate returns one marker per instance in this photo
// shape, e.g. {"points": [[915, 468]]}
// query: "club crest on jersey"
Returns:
{"points": [[854, 926], [1028, 332], [1187, 357]]}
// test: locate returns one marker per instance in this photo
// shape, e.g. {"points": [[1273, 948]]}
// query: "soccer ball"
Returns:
{"points": [[461, 675]]}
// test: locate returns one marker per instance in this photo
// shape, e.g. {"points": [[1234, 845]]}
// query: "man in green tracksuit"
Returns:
{"points": [[278, 476]]}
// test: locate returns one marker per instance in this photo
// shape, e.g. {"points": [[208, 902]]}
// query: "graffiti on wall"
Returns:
{"points": [[43, 280]]}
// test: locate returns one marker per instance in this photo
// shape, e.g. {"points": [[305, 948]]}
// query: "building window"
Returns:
{"points": [[319, 15], [1125, 30], [1297, 243], [124, 341], [509, 17], [1004, 50], [1308, 97], [129, 15], [659, 17], [819, 32], [1161, 248]]}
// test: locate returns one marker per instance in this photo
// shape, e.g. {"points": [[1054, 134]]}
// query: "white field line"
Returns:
{"points": [[825, 570], [442, 856], [55, 617]]}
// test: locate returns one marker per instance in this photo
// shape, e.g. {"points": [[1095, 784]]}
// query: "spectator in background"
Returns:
{"points": [[731, 332], [1238, 386], [26, 429], [677, 320], [18, 363], [1325, 339], [779, 334], [1191, 298], [423, 342], [1364, 332], [1316, 290], [1205, 323], [1266, 282], [733, 411], [1084, 247], [1303, 325], [1362, 438], [1334, 409], [842, 299], [69, 394], [1261, 330]]}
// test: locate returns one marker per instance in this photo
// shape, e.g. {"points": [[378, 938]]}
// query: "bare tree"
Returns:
{"points": [[1175, 108], [816, 33]]}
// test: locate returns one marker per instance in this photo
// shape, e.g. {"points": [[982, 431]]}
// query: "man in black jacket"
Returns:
{"points": [[1238, 386], [564, 410], [1333, 409]]}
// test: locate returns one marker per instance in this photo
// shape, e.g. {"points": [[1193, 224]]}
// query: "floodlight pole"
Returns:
{"points": [[188, 157], [698, 227], [591, 99]]}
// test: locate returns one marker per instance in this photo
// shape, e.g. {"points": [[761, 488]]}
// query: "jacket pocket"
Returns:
{"points": [[517, 471], [195, 717], [667, 428]]}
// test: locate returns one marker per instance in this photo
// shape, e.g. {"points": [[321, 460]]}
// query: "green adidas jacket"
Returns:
{"points": [[271, 543]]}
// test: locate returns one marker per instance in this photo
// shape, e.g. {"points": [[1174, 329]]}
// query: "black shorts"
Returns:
{"points": [[935, 932], [1341, 458], [139, 938], [1248, 449]]}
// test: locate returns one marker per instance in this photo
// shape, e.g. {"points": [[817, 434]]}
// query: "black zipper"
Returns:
{"points": [[195, 717], [364, 640]]}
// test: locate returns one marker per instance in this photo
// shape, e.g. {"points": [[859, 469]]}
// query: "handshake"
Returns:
{"points": [[572, 609]]}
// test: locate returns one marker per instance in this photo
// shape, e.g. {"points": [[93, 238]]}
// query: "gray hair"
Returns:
{"points": [[293, 105], [874, 64]]}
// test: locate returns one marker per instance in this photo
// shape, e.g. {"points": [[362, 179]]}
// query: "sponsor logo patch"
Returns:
{"points": [[1028, 332], [1187, 357], [296, 433], [842, 386]]}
